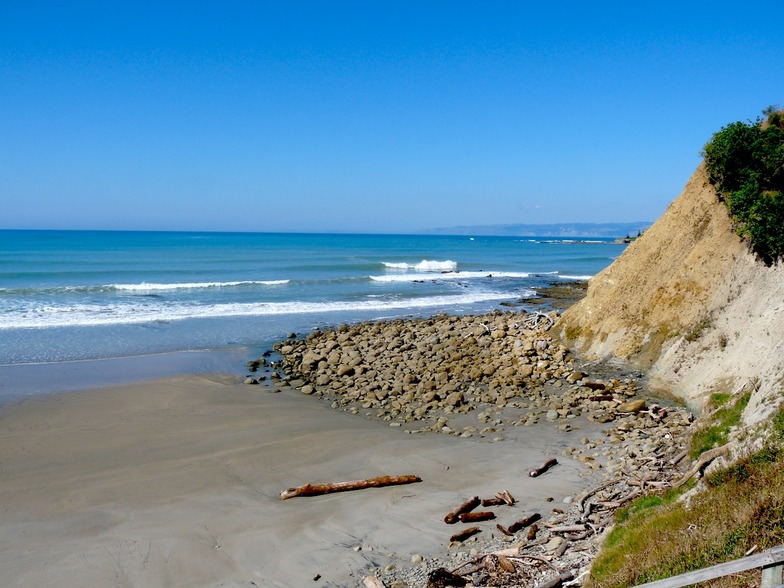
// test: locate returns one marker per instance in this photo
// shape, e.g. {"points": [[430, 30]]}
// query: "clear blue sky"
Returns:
{"points": [[368, 116]]}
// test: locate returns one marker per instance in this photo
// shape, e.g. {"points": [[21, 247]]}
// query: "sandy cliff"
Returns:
{"points": [[690, 305]]}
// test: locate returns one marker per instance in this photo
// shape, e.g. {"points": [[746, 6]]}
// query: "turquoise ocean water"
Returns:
{"points": [[71, 296]]}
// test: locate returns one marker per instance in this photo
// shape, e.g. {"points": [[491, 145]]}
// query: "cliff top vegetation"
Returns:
{"points": [[745, 161]]}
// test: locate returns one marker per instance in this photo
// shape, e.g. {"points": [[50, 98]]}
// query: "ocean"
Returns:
{"points": [[78, 306]]}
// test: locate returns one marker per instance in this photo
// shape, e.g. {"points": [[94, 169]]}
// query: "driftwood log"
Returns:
{"points": [[703, 461], [319, 489], [475, 517], [465, 534], [519, 525], [557, 581], [467, 506], [543, 468]]}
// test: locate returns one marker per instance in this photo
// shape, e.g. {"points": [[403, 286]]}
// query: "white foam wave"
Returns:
{"points": [[580, 278], [447, 276], [425, 266], [94, 315], [148, 287]]}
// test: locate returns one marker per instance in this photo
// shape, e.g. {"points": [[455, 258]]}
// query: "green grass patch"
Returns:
{"points": [[657, 536], [726, 417]]}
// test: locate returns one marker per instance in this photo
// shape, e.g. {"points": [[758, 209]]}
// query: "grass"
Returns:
{"points": [[659, 536], [662, 537], [727, 415]]}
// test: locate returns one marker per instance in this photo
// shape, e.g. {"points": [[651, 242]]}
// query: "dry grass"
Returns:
{"points": [[658, 537]]}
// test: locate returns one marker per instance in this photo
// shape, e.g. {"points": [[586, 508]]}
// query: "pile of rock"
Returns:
{"points": [[417, 369]]}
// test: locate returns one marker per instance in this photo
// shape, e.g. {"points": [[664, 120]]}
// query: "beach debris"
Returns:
{"points": [[519, 525], [467, 506], [319, 489], [557, 581], [464, 534], [543, 468], [704, 460], [500, 498], [475, 517], [441, 578]]}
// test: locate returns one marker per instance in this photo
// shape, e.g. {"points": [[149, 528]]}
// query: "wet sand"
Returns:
{"points": [[176, 482]]}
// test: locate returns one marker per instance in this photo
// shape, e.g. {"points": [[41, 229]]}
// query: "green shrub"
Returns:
{"points": [[745, 162]]}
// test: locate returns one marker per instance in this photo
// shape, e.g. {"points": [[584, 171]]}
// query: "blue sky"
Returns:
{"points": [[368, 116]]}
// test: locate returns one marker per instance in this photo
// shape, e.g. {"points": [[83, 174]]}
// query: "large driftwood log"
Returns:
{"points": [[543, 468], [318, 489], [467, 506], [475, 517], [703, 461]]}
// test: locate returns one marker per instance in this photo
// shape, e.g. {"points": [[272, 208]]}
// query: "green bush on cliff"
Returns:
{"points": [[745, 162]]}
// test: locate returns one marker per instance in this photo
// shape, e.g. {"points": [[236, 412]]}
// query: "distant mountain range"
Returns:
{"points": [[576, 230]]}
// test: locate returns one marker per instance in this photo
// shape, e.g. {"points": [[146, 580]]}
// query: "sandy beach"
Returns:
{"points": [[176, 482]]}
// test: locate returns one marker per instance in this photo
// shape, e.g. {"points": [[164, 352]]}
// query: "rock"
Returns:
{"points": [[345, 370], [307, 389], [632, 406], [554, 543], [250, 381]]}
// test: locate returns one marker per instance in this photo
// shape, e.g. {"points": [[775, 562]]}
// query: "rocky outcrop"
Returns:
{"points": [[688, 304]]}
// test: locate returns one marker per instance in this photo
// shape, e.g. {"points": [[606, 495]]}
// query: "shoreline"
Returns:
{"points": [[175, 481]]}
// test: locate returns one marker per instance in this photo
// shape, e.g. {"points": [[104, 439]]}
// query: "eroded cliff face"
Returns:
{"points": [[688, 304]]}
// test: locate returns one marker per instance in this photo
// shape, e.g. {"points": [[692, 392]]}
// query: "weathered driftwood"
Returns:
{"points": [[619, 502], [703, 461], [492, 501], [543, 468], [675, 460], [561, 549], [565, 528], [583, 496], [475, 517], [532, 532], [519, 525], [467, 506], [465, 534], [319, 489], [557, 581], [500, 498]]}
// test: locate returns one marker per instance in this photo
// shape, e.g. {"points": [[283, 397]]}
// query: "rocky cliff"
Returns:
{"points": [[688, 304]]}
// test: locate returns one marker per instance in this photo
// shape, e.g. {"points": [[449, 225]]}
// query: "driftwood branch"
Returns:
{"points": [[519, 525], [703, 461], [500, 498], [543, 468], [319, 489], [467, 506], [557, 581]]}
